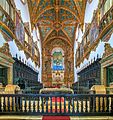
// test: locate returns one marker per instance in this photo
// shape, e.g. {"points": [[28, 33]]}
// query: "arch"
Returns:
{"points": [[57, 37], [70, 21], [60, 7], [57, 49], [44, 10], [41, 20], [66, 35], [68, 39], [49, 33], [73, 13]]}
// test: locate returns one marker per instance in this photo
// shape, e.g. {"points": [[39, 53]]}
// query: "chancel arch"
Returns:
{"points": [[57, 21], [54, 74]]}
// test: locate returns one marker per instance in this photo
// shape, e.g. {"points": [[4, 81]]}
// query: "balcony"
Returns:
{"points": [[6, 19], [106, 22], [27, 48]]}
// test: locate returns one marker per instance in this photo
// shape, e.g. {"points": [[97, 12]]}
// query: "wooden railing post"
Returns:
{"points": [[29, 104], [8, 104], [42, 103], [47, 99], [0, 104], [112, 104], [55, 104], [38, 105], [107, 104], [86, 110], [4, 103], [94, 103], [77, 106], [13, 103], [91, 104], [50, 104], [69, 103], [73, 106], [62, 104]]}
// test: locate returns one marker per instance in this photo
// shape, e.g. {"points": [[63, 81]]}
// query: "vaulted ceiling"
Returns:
{"points": [[57, 18]]}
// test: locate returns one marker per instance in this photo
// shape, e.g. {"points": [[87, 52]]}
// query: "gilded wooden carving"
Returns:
{"points": [[108, 50], [5, 49]]}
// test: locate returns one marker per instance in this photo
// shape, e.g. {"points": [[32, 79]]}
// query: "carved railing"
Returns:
{"points": [[56, 104], [7, 20], [106, 19], [105, 25]]}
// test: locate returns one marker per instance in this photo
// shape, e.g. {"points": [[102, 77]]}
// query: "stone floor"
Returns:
{"points": [[40, 118]]}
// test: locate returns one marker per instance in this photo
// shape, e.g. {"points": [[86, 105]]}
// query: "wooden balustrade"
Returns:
{"points": [[49, 104]]}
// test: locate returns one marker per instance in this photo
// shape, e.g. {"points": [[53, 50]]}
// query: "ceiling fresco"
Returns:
{"points": [[57, 18]]}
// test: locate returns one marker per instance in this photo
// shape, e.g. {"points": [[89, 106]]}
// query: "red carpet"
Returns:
{"points": [[57, 99], [56, 118]]}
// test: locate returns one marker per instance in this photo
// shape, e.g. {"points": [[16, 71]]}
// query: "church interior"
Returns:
{"points": [[56, 59]]}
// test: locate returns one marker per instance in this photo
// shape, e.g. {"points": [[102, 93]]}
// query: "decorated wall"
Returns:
{"points": [[57, 22], [97, 31], [90, 8], [22, 43], [57, 67], [24, 13]]}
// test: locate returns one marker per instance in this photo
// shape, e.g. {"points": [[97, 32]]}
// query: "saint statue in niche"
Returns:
{"points": [[48, 66], [69, 66]]}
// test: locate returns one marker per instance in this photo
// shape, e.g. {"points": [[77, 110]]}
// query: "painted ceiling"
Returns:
{"points": [[57, 18]]}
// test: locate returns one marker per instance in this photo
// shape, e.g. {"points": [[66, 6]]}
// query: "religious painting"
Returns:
{"points": [[57, 61], [57, 66], [20, 33], [94, 31]]}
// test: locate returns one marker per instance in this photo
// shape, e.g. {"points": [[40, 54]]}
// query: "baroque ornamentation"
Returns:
{"points": [[5, 49], [57, 21], [61, 15], [108, 50]]}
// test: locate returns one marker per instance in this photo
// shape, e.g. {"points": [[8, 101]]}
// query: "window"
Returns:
{"points": [[7, 7], [12, 13], [23, 1], [2, 3], [26, 37], [108, 4]]}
